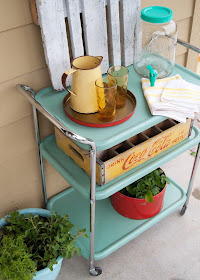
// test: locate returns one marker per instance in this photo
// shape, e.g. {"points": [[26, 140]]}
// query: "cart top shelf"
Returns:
{"points": [[105, 138]]}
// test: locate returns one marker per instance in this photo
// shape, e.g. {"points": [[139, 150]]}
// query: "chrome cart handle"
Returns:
{"points": [[189, 46], [25, 90]]}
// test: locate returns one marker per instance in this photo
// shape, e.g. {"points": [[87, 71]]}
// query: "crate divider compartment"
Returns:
{"points": [[152, 131], [106, 155], [143, 134], [122, 147], [138, 139], [158, 128], [166, 124]]}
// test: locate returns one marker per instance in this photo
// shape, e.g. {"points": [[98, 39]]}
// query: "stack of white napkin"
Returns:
{"points": [[172, 97]]}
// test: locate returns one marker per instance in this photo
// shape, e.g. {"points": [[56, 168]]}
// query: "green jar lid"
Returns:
{"points": [[156, 14]]}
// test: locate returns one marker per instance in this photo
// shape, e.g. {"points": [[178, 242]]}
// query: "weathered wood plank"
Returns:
{"points": [[53, 28], [137, 34], [95, 24], [114, 32], [128, 13], [74, 22], [95, 30]]}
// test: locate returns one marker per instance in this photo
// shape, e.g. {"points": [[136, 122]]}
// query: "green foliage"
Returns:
{"points": [[15, 261], [193, 154], [148, 186], [32, 243]]}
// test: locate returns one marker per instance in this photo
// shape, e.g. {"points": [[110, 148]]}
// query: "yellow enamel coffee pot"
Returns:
{"points": [[85, 71]]}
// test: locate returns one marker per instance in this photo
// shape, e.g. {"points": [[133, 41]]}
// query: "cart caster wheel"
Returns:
{"points": [[96, 271], [183, 210]]}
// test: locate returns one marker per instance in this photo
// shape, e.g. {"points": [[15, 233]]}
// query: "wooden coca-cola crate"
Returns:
{"points": [[125, 156]]}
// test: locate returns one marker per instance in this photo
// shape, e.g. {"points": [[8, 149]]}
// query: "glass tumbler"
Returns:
{"points": [[120, 74], [106, 97]]}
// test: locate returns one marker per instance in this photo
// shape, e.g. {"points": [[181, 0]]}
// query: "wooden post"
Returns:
{"points": [[34, 11]]}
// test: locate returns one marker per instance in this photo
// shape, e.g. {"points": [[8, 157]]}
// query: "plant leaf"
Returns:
{"points": [[149, 196], [131, 189]]}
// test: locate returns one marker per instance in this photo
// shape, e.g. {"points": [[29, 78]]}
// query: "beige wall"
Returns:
{"points": [[22, 61]]}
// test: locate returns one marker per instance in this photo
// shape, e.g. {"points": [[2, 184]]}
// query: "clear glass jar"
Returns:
{"points": [[158, 44]]}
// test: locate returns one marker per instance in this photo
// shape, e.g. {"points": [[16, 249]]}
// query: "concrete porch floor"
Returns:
{"points": [[170, 250]]}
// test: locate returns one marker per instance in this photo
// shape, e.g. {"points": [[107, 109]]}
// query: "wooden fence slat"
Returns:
{"points": [[114, 32], [53, 29], [137, 34], [95, 30], [128, 15], [74, 22], [90, 34]]}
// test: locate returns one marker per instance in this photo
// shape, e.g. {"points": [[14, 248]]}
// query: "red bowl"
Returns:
{"points": [[135, 208]]}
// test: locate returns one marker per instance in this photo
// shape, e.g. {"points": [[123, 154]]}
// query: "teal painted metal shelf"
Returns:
{"points": [[77, 178], [105, 138], [112, 230]]}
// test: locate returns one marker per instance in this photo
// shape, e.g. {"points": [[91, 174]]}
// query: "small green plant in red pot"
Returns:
{"points": [[143, 198]]}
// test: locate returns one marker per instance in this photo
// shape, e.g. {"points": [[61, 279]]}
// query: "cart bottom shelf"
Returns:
{"points": [[111, 229]]}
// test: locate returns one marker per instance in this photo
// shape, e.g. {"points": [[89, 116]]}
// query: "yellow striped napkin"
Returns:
{"points": [[158, 105], [182, 93]]}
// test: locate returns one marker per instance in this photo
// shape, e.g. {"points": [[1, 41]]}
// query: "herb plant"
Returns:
{"points": [[15, 261], [148, 186], [31, 243]]}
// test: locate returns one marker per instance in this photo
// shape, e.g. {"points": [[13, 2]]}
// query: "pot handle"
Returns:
{"points": [[64, 77]]}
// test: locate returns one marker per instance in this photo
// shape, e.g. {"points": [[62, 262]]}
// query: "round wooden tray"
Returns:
{"points": [[92, 120]]}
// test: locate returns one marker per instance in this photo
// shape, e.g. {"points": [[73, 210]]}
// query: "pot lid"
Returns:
{"points": [[156, 14]]}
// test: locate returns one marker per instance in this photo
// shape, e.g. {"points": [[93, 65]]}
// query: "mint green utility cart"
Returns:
{"points": [[88, 204]]}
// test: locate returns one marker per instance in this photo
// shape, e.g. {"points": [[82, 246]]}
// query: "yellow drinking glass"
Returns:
{"points": [[106, 97], [120, 74]]}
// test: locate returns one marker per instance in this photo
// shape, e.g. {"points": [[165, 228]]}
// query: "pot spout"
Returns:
{"points": [[100, 58]]}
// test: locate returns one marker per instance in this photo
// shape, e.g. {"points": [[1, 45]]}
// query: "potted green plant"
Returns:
{"points": [[33, 243], [143, 198]]}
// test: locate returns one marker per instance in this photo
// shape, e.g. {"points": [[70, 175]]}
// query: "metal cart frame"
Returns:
{"points": [[30, 95]]}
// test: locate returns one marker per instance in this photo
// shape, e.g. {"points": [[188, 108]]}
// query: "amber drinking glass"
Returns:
{"points": [[106, 96], [120, 74]]}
